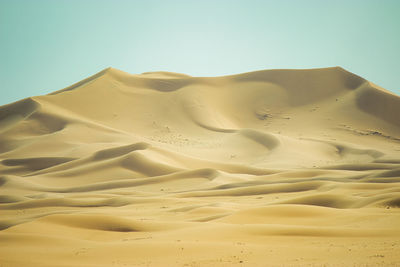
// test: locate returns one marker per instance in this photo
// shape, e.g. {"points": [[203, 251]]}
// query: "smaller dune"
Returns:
{"points": [[119, 151], [324, 200], [35, 164]]}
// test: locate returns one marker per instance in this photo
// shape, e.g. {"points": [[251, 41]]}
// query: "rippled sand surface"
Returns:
{"points": [[268, 168]]}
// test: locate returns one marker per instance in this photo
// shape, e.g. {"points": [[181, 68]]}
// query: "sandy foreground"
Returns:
{"points": [[268, 168]]}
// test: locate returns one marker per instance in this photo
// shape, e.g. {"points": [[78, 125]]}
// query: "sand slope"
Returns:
{"points": [[267, 168]]}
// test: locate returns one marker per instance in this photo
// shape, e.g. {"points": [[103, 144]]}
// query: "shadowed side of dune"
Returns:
{"points": [[305, 86], [97, 222], [13, 113], [384, 105], [171, 82], [34, 164], [257, 189], [119, 151], [323, 200], [267, 140]]}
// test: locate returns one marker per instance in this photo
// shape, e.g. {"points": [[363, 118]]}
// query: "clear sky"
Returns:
{"points": [[46, 45]]}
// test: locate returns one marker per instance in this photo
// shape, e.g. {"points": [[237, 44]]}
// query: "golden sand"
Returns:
{"points": [[268, 168]]}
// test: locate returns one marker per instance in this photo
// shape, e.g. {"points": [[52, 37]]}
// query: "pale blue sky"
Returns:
{"points": [[46, 45]]}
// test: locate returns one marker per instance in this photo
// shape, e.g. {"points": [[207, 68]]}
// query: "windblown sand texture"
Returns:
{"points": [[268, 168]]}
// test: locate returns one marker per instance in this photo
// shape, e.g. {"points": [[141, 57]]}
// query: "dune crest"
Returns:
{"points": [[207, 171]]}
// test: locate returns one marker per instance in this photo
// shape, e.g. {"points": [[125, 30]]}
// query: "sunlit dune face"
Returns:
{"points": [[267, 168]]}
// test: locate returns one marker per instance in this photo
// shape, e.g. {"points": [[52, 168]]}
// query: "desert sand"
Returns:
{"points": [[266, 168]]}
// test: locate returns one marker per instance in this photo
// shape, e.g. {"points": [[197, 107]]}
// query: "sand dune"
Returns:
{"points": [[267, 168]]}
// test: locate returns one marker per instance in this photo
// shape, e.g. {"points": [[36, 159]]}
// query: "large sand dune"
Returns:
{"points": [[268, 168]]}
